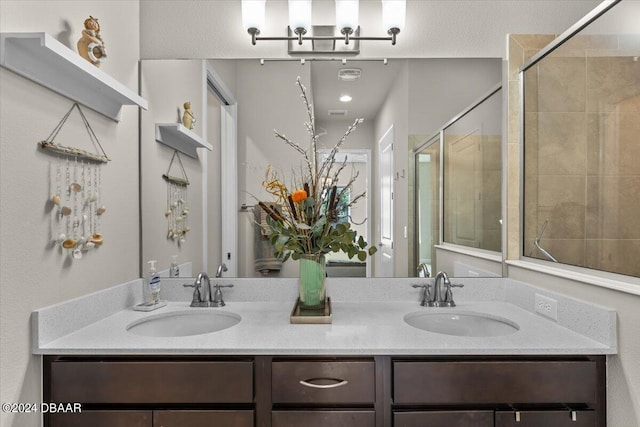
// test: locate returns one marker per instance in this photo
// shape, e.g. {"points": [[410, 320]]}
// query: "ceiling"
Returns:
{"points": [[368, 92]]}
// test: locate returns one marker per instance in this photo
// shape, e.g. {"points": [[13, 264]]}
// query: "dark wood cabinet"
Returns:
{"points": [[548, 418], [347, 382], [152, 381], [443, 419], [237, 418], [282, 391], [324, 418], [492, 382], [110, 418]]}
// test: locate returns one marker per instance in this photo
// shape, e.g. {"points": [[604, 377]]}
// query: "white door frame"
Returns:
{"points": [[359, 155], [390, 250], [228, 172]]}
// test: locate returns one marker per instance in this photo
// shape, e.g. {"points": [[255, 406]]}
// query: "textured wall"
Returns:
{"points": [[34, 274]]}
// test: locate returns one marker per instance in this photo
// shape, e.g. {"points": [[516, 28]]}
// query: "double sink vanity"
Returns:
{"points": [[385, 360]]}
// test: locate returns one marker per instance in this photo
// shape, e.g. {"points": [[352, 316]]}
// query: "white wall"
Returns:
{"points": [[167, 85], [268, 95], [442, 88], [34, 274]]}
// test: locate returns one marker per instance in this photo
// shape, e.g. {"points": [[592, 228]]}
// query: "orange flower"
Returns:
{"points": [[299, 196]]}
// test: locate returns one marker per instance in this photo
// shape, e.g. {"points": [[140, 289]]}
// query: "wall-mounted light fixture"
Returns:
{"points": [[347, 24]]}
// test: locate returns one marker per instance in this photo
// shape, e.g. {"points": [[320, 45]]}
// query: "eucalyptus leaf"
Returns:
{"points": [[372, 250], [362, 255]]}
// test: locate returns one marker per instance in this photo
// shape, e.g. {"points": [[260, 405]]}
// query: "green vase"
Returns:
{"points": [[313, 291]]}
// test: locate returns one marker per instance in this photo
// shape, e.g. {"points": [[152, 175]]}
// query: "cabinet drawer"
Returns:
{"points": [[203, 418], [101, 419], [443, 419], [323, 418], [322, 382], [152, 381], [489, 382], [545, 418]]}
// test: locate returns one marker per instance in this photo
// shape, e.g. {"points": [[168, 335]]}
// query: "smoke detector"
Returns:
{"points": [[349, 74]]}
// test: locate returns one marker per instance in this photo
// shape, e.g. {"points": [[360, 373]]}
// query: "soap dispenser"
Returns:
{"points": [[151, 290], [174, 269], [153, 283]]}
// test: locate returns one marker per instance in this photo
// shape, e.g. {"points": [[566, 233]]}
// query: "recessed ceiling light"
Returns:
{"points": [[345, 98]]}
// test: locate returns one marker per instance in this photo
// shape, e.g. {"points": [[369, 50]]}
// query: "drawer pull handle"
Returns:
{"points": [[338, 383]]}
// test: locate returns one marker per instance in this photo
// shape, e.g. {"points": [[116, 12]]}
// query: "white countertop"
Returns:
{"points": [[358, 328]]}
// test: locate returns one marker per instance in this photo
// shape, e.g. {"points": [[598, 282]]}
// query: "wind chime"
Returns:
{"points": [[75, 183], [177, 212]]}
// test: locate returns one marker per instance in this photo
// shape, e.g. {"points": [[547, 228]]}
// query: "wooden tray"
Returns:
{"points": [[318, 316]]}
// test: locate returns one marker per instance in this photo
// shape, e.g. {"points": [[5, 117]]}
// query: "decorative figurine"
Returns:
{"points": [[188, 119], [90, 46]]}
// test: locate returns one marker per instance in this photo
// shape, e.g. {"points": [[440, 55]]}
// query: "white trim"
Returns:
{"points": [[204, 161], [228, 170], [604, 282], [229, 186], [474, 252]]}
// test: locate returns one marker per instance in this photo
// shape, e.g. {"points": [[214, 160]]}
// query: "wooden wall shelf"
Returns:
{"points": [[180, 138], [46, 61]]}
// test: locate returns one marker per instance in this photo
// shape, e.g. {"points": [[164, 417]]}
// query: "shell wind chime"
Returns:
{"points": [[177, 211], [75, 183]]}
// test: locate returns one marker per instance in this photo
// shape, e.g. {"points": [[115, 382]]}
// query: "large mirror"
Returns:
{"points": [[401, 101], [581, 125]]}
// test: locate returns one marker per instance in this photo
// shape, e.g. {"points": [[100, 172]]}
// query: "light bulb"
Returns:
{"points": [[347, 14], [345, 98], [393, 14], [300, 14], [253, 13]]}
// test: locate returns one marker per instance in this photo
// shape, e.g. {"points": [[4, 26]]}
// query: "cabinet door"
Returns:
{"points": [[150, 382], [323, 419], [203, 418], [545, 419], [344, 382], [443, 419], [101, 419], [494, 382]]}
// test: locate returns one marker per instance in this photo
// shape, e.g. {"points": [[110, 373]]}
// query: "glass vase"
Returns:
{"points": [[312, 288]]}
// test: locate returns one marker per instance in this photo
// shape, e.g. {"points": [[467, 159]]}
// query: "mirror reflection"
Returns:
{"points": [[581, 126], [400, 102]]}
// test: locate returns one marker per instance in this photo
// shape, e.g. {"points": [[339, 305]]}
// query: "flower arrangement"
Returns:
{"points": [[304, 222]]}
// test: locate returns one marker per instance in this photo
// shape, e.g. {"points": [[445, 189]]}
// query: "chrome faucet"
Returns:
{"points": [[440, 297], [222, 267], [424, 269], [201, 296]]}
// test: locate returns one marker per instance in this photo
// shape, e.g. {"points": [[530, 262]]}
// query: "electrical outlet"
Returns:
{"points": [[546, 306]]}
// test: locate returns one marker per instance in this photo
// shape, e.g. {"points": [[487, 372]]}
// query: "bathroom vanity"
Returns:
{"points": [[375, 365], [363, 391]]}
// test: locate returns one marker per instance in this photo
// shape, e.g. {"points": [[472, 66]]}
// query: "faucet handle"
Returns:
{"points": [[426, 294], [448, 296], [217, 295], [197, 296]]}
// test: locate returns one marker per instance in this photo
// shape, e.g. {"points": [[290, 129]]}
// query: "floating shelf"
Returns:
{"points": [[180, 138], [46, 61]]}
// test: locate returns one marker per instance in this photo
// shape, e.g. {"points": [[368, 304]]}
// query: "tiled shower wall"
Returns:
{"points": [[582, 153]]}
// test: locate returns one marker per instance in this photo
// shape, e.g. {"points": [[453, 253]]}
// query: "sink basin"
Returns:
{"points": [[183, 323], [460, 323]]}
